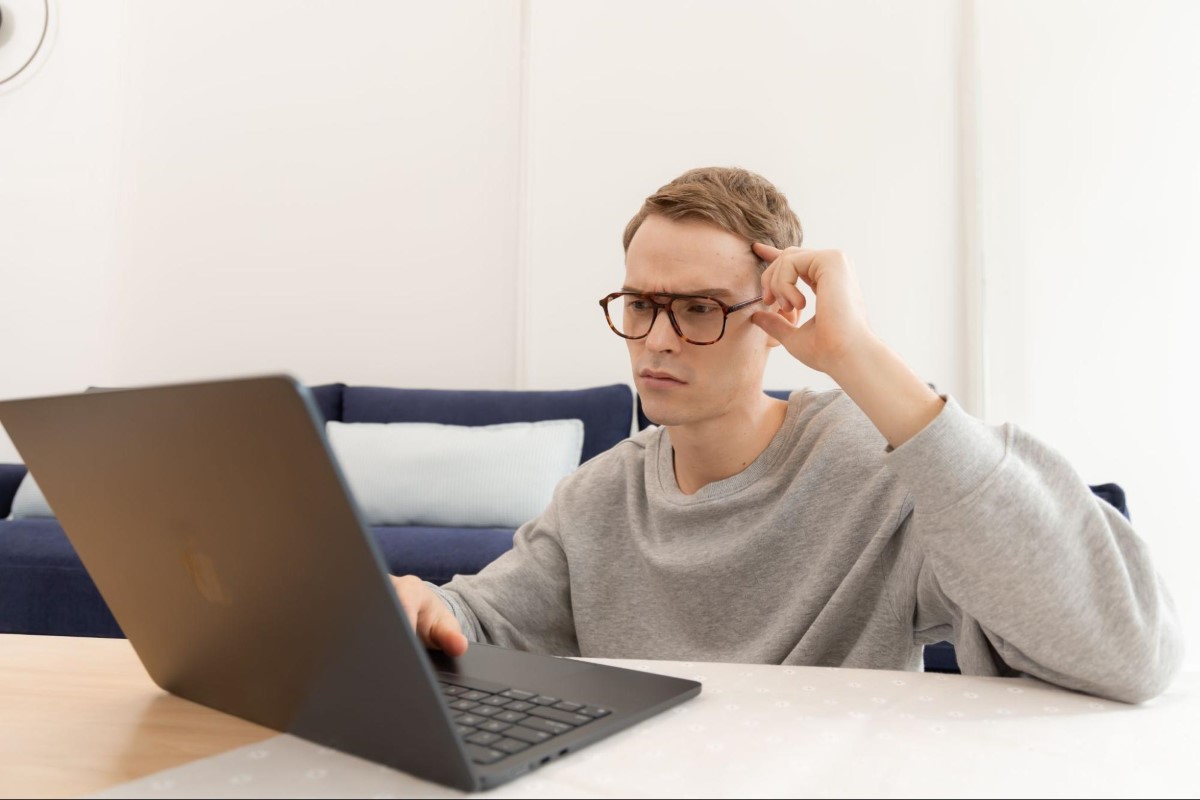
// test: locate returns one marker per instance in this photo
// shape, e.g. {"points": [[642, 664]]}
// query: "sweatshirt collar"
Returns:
{"points": [[663, 463]]}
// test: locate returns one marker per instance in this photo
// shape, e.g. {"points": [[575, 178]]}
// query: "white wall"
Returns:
{"points": [[197, 190], [59, 156], [322, 188], [408, 193], [854, 122], [1090, 184]]}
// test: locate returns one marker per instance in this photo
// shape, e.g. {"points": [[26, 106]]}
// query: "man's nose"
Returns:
{"points": [[662, 336]]}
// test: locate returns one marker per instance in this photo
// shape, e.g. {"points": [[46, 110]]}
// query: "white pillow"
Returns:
{"points": [[423, 473], [29, 500]]}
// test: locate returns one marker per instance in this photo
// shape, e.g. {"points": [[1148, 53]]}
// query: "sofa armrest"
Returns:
{"points": [[10, 478]]}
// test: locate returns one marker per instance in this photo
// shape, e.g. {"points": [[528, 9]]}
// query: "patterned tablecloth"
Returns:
{"points": [[796, 732]]}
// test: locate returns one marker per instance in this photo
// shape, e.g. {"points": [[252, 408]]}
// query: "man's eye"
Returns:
{"points": [[702, 309], [638, 305]]}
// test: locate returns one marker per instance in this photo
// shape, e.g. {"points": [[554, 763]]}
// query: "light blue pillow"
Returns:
{"points": [[29, 502], [423, 473]]}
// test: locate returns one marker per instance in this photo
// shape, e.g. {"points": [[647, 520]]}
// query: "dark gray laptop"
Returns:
{"points": [[219, 530]]}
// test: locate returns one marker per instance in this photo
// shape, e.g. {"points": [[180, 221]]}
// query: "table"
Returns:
{"points": [[80, 716]]}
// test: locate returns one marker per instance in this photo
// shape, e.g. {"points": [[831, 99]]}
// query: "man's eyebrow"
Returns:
{"points": [[711, 292]]}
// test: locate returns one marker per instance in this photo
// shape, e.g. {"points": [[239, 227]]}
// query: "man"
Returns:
{"points": [[838, 528]]}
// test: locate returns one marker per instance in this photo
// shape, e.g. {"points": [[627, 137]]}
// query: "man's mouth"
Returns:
{"points": [[657, 379]]}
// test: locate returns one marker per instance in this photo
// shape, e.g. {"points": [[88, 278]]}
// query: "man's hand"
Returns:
{"points": [[838, 341], [432, 619], [838, 328]]}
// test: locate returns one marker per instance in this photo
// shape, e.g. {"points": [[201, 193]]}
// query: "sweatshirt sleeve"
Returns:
{"points": [[522, 599], [1026, 569]]}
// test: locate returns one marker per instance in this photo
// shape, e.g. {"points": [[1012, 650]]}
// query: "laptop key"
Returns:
{"points": [[566, 706], [483, 755], [484, 737], [517, 694], [495, 700], [543, 700], [559, 716], [546, 725], [474, 694], [527, 734], [463, 730], [451, 690], [519, 705], [595, 711], [486, 711], [511, 745], [463, 705], [510, 716], [469, 719], [494, 726]]}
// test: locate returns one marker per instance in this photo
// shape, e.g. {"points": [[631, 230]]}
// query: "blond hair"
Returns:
{"points": [[737, 200]]}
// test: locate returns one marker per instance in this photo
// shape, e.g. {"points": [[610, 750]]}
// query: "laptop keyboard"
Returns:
{"points": [[495, 725]]}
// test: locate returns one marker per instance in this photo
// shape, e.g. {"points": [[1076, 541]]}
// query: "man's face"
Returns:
{"points": [[682, 383]]}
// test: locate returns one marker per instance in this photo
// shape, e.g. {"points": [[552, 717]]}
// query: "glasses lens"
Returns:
{"points": [[701, 319], [631, 315]]}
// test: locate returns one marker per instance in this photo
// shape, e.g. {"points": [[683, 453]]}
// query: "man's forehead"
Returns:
{"points": [[713, 277], [689, 257]]}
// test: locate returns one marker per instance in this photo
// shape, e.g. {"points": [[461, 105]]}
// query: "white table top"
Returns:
{"points": [[795, 732]]}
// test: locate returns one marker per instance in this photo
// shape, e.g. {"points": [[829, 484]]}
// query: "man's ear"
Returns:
{"points": [[791, 316]]}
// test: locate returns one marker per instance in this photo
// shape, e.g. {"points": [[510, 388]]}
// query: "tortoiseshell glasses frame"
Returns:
{"points": [[667, 306]]}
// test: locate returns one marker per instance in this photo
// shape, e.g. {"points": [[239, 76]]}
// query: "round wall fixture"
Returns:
{"points": [[26, 33]]}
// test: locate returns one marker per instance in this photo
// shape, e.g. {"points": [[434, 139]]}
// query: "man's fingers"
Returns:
{"points": [[787, 268], [766, 252], [440, 630], [779, 280], [434, 623], [408, 601], [768, 295], [776, 325], [446, 634], [783, 287]]}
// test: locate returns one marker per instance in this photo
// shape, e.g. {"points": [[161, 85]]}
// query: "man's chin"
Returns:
{"points": [[661, 412]]}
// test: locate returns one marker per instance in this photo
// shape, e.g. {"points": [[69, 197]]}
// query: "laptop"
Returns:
{"points": [[219, 529]]}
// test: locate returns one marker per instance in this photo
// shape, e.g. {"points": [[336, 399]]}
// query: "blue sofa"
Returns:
{"points": [[44, 588]]}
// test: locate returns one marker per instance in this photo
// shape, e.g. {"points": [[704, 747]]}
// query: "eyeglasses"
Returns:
{"points": [[697, 319]]}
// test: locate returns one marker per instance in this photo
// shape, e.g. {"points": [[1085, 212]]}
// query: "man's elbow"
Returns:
{"points": [[1147, 673]]}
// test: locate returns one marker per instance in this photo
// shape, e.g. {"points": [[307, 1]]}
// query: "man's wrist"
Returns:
{"points": [[892, 396]]}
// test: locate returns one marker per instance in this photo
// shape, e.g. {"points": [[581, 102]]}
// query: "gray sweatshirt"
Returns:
{"points": [[832, 549]]}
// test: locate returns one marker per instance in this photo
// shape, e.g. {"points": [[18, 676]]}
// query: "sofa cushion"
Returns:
{"points": [[44, 588], [606, 411], [438, 554], [426, 473]]}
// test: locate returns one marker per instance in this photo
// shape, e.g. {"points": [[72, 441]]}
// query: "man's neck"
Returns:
{"points": [[717, 449]]}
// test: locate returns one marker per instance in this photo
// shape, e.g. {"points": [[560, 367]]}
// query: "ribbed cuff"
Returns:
{"points": [[950, 458], [467, 622]]}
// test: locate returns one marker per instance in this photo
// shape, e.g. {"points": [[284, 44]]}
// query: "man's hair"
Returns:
{"points": [[742, 202]]}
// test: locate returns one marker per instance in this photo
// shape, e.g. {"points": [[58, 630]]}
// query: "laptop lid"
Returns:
{"points": [[271, 604]]}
